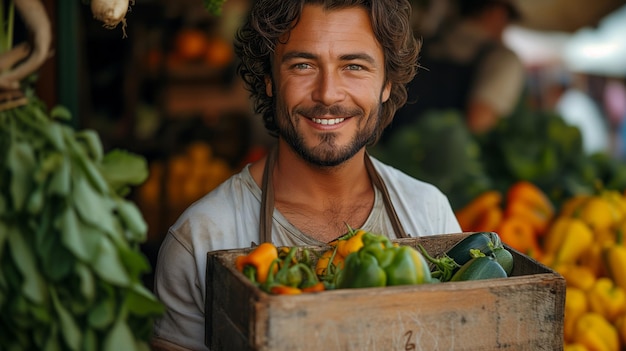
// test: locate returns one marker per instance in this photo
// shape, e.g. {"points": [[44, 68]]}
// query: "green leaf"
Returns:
{"points": [[69, 327], [141, 301], [133, 219], [90, 340], [56, 260], [109, 266], [119, 338], [93, 207], [103, 314], [91, 171], [135, 262], [54, 132], [82, 245], [92, 143], [60, 179], [36, 200], [21, 162], [122, 168], [87, 281], [4, 233], [34, 286], [61, 113]]}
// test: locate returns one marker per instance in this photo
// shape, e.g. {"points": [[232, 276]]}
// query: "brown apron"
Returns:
{"points": [[267, 198]]}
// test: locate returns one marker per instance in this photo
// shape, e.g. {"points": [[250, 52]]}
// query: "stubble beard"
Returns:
{"points": [[326, 153]]}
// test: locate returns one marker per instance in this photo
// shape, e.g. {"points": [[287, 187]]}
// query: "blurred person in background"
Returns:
{"points": [[466, 66], [578, 108]]}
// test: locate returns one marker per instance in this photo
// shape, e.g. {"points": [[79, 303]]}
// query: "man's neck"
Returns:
{"points": [[296, 178], [321, 201]]}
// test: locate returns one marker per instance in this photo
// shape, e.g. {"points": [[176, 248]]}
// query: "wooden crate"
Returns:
{"points": [[521, 312]]}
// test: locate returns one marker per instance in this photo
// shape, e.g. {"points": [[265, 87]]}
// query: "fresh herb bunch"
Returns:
{"points": [[70, 263]]}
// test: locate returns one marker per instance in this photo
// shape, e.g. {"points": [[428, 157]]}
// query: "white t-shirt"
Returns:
{"points": [[228, 218]]}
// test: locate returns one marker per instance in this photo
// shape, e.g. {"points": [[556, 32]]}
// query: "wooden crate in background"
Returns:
{"points": [[521, 312]]}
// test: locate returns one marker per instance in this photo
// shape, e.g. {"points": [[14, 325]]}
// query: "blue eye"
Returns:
{"points": [[301, 66], [354, 67]]}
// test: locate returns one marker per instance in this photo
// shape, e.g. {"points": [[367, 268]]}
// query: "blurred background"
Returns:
{"points": [[169, 92]]}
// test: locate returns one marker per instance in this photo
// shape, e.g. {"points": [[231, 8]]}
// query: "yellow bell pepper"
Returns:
{"points": [[596, 333], [575, 306], [615, 261], [574, 347], [599, 214], [620, 325], [593, 259], [572, 206], [566, 240], [576, 276], [607, 299]]}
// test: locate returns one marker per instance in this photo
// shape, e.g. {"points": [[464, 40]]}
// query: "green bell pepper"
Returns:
{"points": [[379, 263]]}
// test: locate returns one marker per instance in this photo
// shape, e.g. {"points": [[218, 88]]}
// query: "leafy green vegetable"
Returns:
{"points": [[70, 265]]}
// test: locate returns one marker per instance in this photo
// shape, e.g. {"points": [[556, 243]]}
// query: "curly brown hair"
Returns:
{"points": [[270, 19]]}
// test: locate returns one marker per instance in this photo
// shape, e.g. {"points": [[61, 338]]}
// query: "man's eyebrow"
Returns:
{"points": [[347, 57], [297, 54], [358, 56]]}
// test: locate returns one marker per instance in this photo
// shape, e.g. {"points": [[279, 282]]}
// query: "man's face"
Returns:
{"points": [[328, 84]]}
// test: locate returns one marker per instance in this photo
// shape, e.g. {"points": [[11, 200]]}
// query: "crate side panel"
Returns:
{"points": [[520, 316]]}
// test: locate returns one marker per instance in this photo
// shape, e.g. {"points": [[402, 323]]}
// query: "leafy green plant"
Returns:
{"points": [[70, 264]]}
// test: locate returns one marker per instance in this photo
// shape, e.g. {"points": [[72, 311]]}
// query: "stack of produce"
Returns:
{"points": [[583, 241], [585, 244], [361, 259]]}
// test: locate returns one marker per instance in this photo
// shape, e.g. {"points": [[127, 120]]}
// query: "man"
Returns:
{"points": [[466, 67], [327, 76]]}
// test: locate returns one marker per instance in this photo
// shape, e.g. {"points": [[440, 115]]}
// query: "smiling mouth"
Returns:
{"points": [[327, 121]]}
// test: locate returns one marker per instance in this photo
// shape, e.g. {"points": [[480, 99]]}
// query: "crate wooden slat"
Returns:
{"points": [[521, 312]]}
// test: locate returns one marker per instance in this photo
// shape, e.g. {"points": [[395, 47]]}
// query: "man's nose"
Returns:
{"points": [[329, 88]]}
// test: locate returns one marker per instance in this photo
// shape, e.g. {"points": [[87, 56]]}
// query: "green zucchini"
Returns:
{"points": [[505, 259], [478, 268], [486, 242]]}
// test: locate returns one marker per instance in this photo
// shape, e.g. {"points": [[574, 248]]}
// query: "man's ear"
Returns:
{"points": [[386, 92], [268, 86]]}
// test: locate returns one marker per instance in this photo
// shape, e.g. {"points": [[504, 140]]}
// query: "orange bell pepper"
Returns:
{"points": [[351, 242], [258, 262], [323, 263], [285, 290], [519, 235], [487, 221], [525, 199], [471, 214]]}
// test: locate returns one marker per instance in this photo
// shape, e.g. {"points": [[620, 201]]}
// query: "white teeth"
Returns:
{"points": [[326, 121]]}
